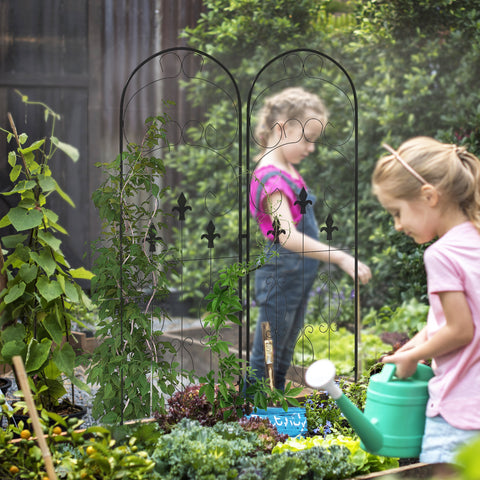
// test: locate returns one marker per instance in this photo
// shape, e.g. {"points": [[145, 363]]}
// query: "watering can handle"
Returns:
{"points": [[423, 372], [387, 373]]}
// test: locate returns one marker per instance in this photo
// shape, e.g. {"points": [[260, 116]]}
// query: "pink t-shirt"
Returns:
{"points": [[276, 183], [453, 264]]}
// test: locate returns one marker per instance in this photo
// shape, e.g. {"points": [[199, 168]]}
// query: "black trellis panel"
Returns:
{"points": [[185, 66]]}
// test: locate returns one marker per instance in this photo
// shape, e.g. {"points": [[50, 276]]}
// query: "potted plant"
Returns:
{"points": [[41, 289]]}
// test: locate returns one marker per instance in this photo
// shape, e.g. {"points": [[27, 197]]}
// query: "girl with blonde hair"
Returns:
{"points": [[432, 190], [289, 125]]}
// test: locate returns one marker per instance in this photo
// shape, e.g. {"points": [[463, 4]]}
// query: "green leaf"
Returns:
{"points": [[11, 241], [64, 195], [210, 393], [70, 150], [13, 333], [47, 184], [12, 159], [70, 291], [5, 221], [25, 219], [45, 261], [15, 173], [49, 239], [12, 348], [81, 273], [53, 327], [37, 354], [28, 273], [64, 358], [34, 146], [21, 187], [14, 292], [49, 290]]}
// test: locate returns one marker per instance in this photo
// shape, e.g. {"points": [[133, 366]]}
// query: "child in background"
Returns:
{"points": [[432, 190], [289, 124]]}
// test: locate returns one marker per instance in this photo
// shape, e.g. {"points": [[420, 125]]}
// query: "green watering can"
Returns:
{"points": [[394, 419]]}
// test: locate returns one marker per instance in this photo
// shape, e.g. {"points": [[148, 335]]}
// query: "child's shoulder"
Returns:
{"points": [[461, 239]]}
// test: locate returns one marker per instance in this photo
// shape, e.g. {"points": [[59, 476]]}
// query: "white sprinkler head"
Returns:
{"points": [[321, 376]]}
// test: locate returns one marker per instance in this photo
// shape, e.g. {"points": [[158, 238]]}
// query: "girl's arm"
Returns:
{"points": [[456, 333], [417, 339], [297, 242]]}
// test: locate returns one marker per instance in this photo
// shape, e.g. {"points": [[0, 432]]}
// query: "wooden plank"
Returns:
{"points": [[415, 470]]}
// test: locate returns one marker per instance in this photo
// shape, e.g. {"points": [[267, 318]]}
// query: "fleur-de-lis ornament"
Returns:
{"points": [[276, 230], [182, 207], [152, 237], [210, 235], [329, 228], [303, 202]]}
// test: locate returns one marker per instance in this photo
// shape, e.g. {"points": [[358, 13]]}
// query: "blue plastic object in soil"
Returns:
{"points": [[292, 423]]}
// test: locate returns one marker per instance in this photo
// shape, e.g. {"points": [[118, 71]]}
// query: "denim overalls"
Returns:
{"points": [[282, 287]]}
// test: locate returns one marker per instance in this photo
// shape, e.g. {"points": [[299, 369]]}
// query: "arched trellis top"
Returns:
{"points": [[123, 106]]}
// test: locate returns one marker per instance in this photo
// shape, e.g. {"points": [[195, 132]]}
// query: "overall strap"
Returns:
{"points": [[276, 173]]}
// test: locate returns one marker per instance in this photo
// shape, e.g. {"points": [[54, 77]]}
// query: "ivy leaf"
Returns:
{"points": [[50, 239], [53, 327], [14, 292], [70, 150], [12, 348], [37, 354], [13, 333], [28, 273], [64, 358], [11, 241], [44, 260], [49, 290], [23, 219]]}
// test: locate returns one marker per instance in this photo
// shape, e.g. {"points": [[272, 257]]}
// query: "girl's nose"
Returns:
{"points": [[398, 225]]}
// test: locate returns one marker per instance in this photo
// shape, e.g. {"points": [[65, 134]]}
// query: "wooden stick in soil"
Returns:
{"points": [[268, 351], [32, 411]]}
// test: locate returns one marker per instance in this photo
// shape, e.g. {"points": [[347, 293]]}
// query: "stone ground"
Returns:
{"points": [[80, 397]]}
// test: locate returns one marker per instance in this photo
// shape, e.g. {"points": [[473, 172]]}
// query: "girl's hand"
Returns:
{"points": [[347, 264], [405, 363]]}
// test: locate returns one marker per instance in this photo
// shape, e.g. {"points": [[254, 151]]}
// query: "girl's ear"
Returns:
{"points": [[430, 195]]}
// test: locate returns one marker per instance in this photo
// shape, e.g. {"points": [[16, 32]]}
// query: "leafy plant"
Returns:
{"points": [[128, 296], [363, 462], [317, 462], [191, 451], [267, 433], [41, 294], [190, 403], [408, 318], [223, 308]]}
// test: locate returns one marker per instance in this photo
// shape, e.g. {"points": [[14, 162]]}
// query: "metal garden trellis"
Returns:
{"points": [[145, 85]]}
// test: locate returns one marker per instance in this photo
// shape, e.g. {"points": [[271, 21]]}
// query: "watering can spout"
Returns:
{"points": [[321, 375]]}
